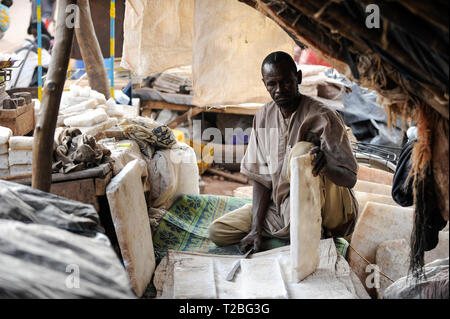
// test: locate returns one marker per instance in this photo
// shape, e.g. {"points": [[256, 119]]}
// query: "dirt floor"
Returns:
{"points": [[219, 185]]}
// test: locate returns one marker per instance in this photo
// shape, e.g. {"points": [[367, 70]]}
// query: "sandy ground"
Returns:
{"points": [[214, 186], [20, 14]]}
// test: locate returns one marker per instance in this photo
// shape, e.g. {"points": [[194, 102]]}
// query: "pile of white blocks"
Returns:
{"points": [[90, 112], [16, 154]]}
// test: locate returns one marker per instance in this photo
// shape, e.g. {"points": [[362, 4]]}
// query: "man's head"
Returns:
{"points": [[281, 78]]}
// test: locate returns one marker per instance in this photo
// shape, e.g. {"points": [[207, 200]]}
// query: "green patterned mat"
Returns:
{"points": [[185, 226]]}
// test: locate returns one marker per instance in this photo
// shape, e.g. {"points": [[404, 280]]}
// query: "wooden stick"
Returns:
{"points": [[184, 117], [239, 179], [51, 98], [91, 51]]}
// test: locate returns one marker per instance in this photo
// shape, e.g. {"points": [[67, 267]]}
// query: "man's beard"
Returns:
{"points": [[289, 104]]}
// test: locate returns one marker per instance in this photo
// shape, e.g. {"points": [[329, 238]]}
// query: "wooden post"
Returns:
{"points": [[51, 98], [91, 51]]}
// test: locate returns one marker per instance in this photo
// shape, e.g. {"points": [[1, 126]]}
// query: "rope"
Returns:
{"points": [[368, 262]]}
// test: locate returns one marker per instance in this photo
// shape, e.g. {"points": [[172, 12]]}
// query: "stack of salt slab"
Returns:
{"points": [[20, 155], [88, 110], [5, 134]]}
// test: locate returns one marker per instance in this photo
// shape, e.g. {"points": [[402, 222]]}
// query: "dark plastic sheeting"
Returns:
{"points": [[53, 247]]}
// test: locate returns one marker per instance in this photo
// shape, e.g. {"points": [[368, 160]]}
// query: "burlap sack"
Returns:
{"points": [[158, 35], [231, 41]]}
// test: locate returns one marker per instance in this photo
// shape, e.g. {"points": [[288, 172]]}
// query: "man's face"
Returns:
{"points": [[282, 83]]}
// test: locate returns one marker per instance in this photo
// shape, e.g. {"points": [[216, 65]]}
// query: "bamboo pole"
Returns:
{"points": [[51, 98], [91, 51]]}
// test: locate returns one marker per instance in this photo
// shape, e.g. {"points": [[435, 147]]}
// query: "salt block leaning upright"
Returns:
{"points": [[129, 213], [305, 217]]}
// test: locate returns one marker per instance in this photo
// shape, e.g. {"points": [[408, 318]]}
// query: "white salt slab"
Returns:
{"points": [[100, 127], [374, 188], [255, 288], [21, 142], [305, 218], [203, 287], [83, 106], [89, 118], [129, 213], [376, 224], [3, 149], [4, 172], [20, 157], [4, 162], [5, 134], [20, 169]]}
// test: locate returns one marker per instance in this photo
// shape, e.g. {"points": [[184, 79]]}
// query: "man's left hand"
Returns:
{"points": [[319, 162]]}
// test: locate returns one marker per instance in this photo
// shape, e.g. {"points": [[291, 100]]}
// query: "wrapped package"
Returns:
{"points": [[21, 142], [20, 157], [173, 172], [89, 118]]}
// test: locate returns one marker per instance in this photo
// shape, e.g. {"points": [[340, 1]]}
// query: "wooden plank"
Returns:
{"points": [[161, 105], [183, 118], [20, 121], [101, 183], [81, 190], [96, 172]]}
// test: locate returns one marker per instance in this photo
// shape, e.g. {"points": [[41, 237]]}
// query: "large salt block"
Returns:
{"points": [[4, 149], [20, 157], [5, 134], [4, 172], [129, 213], [20, 170], [88, 118], [363, 198], [374, 175], [4, 162], [257, 275], [374, 188], [83, 106], [203, 287], [377, 224], [392, 258], [21, 142], [305, 218]]}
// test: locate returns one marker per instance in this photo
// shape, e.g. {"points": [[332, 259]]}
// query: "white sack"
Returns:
{"points": [[231, 41], [158, 35]]}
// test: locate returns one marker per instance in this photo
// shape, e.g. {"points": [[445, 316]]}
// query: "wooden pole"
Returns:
{"points": [[51, 98], [91, 51]]}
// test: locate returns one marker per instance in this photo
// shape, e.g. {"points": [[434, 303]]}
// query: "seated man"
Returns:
{"points": [[291, 125]]}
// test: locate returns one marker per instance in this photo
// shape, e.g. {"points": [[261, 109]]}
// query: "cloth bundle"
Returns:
{"points": [[148, 132], [76, 151]]}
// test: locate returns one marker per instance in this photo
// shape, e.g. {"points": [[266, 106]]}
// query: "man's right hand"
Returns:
{"points": [[253, 239]]}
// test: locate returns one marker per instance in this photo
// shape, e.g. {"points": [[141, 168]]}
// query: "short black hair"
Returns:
{"points": [[278, 58]]}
